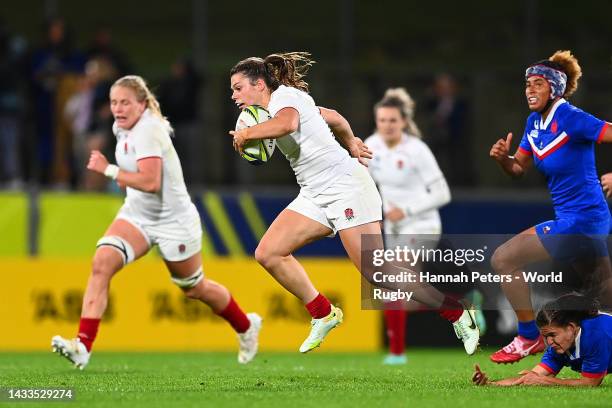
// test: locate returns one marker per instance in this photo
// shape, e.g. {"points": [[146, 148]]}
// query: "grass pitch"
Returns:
{"points": [[432, 378]]}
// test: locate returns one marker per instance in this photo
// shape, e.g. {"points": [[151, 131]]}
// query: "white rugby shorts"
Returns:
{"points": [[350, 201], [178, 238]]}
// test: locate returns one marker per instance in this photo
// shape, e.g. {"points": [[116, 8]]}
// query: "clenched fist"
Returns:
{"points": [[97, 162]]}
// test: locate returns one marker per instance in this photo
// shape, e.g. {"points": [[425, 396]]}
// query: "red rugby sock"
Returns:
{"points": [[235, 316], [451, 309], [88, 329], [395, 321]]}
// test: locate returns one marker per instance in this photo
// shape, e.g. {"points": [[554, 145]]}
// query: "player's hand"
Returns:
{"points": [[359, 150], [500, 150], [479, 378], [529, 377], [395, 214], [97, 162], [121, 185], [240, 138], [606, 184]]}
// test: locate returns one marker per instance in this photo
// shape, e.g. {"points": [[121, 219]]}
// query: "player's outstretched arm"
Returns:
{"points": [[480, 378], [342, 130], [532, 378], [536, 376], [514, 166]]}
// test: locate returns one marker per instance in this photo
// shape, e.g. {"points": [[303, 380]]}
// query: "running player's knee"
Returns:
{"points": [[264, 256], [104, 265], [501, 262], [189, 284]]}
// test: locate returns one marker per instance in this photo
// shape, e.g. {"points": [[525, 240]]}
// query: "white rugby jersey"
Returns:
{"points": [[409, 178], [150, 137], [312, 150]]}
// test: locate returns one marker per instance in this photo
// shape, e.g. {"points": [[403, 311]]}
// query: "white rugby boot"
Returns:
{"points": [[72, 349], [319, 329], [466, 328], [249, 340]]}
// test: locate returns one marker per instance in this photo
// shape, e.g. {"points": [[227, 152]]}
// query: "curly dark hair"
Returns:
{"points": [[565, 62]]}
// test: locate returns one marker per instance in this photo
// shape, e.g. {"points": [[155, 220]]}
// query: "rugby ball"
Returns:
{"points": [[255, 152]]}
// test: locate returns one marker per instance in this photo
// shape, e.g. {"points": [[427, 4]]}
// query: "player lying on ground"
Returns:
{"points": [[578, 336]]}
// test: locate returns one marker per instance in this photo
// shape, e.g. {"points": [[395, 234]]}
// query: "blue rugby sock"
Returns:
{"points": [[528, 330]]}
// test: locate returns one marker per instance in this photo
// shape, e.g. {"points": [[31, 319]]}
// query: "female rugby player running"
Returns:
{"points": [[577, 335], [336, 192], [559, 139], [157, 211]]}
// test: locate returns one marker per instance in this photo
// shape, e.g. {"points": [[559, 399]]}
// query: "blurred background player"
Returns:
{"points": [[577, 335], [412, 187], [157, 211], [336, 192], [559, 139]]}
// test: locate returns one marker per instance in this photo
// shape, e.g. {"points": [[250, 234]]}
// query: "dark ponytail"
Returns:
{"points": [[288, 69], [570, 308]]}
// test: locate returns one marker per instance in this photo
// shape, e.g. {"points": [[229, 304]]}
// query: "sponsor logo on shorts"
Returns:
{"points": [[182, 248], [348, 213], [400, 164], [546, 229]]}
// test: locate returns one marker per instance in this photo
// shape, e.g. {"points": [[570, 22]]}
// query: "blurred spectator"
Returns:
{"points": [[179, 95], [54, 67], [448, 133], [88, 115], [102, 47], [12, 105]]}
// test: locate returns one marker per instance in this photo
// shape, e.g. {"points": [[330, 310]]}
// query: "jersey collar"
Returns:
{"points": [[544, 125], [403, 140], [576, 354]]}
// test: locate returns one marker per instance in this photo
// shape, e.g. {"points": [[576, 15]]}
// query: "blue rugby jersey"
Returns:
{"points": [[592, 354], [562, 147]]}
